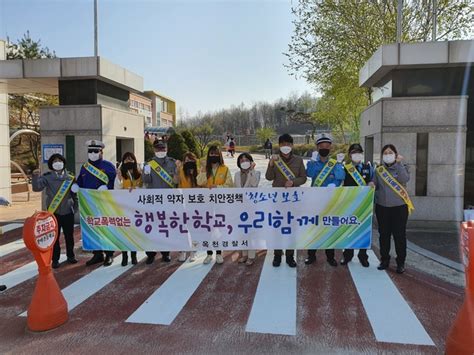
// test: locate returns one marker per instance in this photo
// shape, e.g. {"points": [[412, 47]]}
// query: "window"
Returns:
{"points": [[421, 187], [71, 154]]}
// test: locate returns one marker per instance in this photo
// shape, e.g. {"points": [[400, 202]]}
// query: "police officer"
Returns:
{"points": [[324, 172], [355, 170], [160, 173], [97, 174]]}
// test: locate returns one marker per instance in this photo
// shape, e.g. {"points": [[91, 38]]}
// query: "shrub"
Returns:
{"points": [[176, 146]]}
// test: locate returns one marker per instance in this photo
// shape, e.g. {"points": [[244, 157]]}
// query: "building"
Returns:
{"points": [[423, 103], [163, 109], [93, 104], [142, 105]]}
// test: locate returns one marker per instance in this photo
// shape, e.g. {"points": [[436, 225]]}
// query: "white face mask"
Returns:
{"points": [[160, 155], [245, 165], [94, 156], [285, 149], [58, 165], [357, 157], [389, 158]]}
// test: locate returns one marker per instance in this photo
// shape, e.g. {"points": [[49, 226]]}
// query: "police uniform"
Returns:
{"points": [[87, 180], [334, 179], [153, 181], [367, 172]]}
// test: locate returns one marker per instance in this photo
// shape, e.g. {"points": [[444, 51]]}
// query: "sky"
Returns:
{"points": [[206, 55]]}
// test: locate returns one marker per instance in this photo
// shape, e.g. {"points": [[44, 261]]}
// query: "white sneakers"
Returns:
{"points": [[192, 256], [208, 259], [219, 259], [182, 256]]}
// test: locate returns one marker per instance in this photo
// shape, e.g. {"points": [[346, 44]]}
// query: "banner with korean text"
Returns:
{"points": [[227, 219]]}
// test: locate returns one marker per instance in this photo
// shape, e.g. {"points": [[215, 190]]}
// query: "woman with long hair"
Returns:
{"points": [[214, 173]]}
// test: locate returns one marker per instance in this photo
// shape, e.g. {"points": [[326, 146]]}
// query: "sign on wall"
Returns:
{"points": [[50, 149]]}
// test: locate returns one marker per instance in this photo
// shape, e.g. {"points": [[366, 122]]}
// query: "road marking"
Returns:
{"points": [[11, 247], [9, 227], [164, 305], [88, 285], [274, 306], [390, 316], [26, 272]]}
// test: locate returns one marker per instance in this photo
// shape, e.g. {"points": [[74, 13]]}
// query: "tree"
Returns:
{"points": [[176, 146], [333, 39], [191, 142], [203, 135], [24, 109], [265, 133]]}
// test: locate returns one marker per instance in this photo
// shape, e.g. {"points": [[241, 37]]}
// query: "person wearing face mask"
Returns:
{"points": [[160, 173], [324, 172], [392, 206], [357, 174], [187, 180], [128, 177], [61, 201], [285, 170], [247, 176], [97, 174], [214, 174]]}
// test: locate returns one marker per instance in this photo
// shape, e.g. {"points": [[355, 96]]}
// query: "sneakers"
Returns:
{"points": [[192, 256], [364, 262], [332, 262], [276, 261], [166, 258], [182, 256], [291, 262], [3, 288], [72, 260], [310, 259], [124, 260], [207, 260], [219, 259], [400, 269], [249, 262], [382, 266], [242, 259], [345, 261], [150, 259], [108, 260], [97, 258]]}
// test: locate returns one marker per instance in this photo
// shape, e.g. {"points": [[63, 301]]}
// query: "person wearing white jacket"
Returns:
{"points": [[246, 177]]}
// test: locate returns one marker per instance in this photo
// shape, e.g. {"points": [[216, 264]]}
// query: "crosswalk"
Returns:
{"points": [[274, 307]]}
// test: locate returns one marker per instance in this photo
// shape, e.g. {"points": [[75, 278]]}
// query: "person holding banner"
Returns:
{"points": [[285, 170], [160, 173], [60, 201], [214, 174], [97, 174], [128, 177], [392, 206], [187, 179], [324, 172], [246, 177], [357, 174]]}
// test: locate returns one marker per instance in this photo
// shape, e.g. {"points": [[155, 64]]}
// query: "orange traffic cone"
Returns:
{"points": [[460, 338], [48, 308]]}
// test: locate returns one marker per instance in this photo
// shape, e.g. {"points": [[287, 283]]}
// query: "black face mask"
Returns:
{"points": [[324, 152], [214, 159], [189, 165], [129, 166]]}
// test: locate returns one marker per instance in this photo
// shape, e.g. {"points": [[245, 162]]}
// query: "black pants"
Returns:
{"points": [[289, 253], [153, 253], [66, 224], [329, 253], [132, 253], [392, 221], [349, 254], [218, 252]]}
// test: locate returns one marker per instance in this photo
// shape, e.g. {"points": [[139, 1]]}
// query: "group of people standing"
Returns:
{"points": [[284, 170]]}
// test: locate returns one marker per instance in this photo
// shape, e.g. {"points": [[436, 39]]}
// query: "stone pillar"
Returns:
{"points": [[5, 170]]}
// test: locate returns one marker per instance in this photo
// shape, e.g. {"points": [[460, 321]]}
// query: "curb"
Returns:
{"points": [[435, 257]]}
